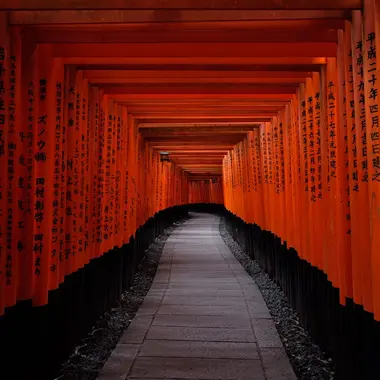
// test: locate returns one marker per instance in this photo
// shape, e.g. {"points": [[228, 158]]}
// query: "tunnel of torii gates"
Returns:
{"points": [[270, 110]]}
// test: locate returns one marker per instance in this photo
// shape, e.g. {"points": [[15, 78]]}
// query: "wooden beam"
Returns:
{"points": [[298, 34], [202, 166], [241, 108], [217, 163], [263, 62], [180, 122], [211, 80], [216, 168], [203, 177], [198, 124], [194, 160], [168, 146], [123, 97], [188, 153], [179, 103], [197, 151], [196, 74], [180, 4], [203, 113], [185, 154], [160, 16], [225, 27], [196, 130], [197, 50], [203, 117], [272, 65], [252, 119], [215, 135], [203, 90], [211, 137]]}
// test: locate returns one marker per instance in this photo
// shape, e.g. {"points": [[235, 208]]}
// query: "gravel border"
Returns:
{"points": [[88, 358], [308, 360]]}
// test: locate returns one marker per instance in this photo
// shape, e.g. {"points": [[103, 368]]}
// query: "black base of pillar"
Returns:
{"points": [[39, 339], [210, 208], [346, 333]]}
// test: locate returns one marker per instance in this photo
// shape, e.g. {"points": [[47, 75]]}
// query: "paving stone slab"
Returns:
{"points": [[137, 330], [200, 310], [205, 268], [227, 322], [205, 285], [157, 292], [258, 309], [266, 333], [205, 272], [207, 292], [252, 291], [200, 261], [192, 349], [234, 266], [204, 334], [202, 275], [204, 301], [197, 368], [120, 362], [276, 364], [199, 280]]}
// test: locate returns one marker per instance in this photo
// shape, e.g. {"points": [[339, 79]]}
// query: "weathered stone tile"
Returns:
{"points": [[137, 330], [266, 333], [120, 362], [258, 309], [203, 301], [207, 334], [201, 310], [216, 321], [276, 364], [196, 368], [188, 349]]}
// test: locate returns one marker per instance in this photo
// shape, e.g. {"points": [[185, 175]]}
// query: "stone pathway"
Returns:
{"points": [[203, 318]]}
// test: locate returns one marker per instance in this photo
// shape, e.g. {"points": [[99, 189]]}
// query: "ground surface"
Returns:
{"points": [[203, 318]]}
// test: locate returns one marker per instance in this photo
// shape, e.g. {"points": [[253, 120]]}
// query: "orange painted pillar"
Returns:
{"points": [[25, 180], [371, 44], [289, 178], [352, 88], [125, 189], [43, 169], [281, 179], [304, 185], [343, 206], [57, 213], [310, 138], [10, 91], [259, 178], [330, 92], [265, 171], [295, 121], [316, 192], [18, 186], [4, 120]]}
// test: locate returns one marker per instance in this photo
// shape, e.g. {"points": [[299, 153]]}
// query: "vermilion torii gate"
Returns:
{"points": [[270, 107]]}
